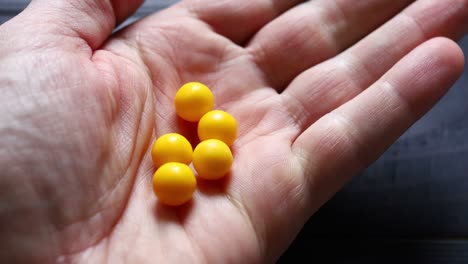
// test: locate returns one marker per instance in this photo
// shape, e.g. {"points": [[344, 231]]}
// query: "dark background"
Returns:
{"points": [[411, 206]]}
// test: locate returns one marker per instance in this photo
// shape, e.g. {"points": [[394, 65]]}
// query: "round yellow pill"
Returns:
{"points": [[171, 147], [218, 124], [193, 100], [174, 183], [212, 159]]}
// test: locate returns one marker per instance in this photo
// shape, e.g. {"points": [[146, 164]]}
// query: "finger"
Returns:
{"points": [[313, 32], [349, 138], [238, 20], [90, 20], [326, 86]]}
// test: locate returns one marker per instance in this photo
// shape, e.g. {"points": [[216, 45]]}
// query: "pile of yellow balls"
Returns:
{"points": [[174, 181]]}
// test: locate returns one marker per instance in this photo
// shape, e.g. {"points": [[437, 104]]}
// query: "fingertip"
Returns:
{"points": [[448, 54], [423, 76]]}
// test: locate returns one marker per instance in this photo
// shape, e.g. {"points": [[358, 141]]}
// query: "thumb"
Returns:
{"points": [[91, 21]]}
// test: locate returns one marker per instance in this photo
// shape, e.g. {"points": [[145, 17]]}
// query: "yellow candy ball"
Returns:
{"points": [[193, 100], [174, 183], [171, 147], [212, 159], [218, 124]]}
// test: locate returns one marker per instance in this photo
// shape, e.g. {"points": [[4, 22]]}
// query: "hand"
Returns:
{"points": [[319, 89]]}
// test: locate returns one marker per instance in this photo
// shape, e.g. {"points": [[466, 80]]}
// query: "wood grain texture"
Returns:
{"points": [[411, 206], [356, 250]]}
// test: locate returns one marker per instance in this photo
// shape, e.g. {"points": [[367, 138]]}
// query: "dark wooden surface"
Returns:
{"points": [[411, 206]]}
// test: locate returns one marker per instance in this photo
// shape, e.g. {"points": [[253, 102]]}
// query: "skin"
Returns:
{"points": [[320, 89]]}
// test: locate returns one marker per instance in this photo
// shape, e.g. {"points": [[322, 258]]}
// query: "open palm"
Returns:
{"points": [[317, 97]]}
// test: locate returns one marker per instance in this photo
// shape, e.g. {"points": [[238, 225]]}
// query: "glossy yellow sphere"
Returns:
{"points": [[193, 100], [218, 124], [174, 183], [212, 159], [171, 147]]}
